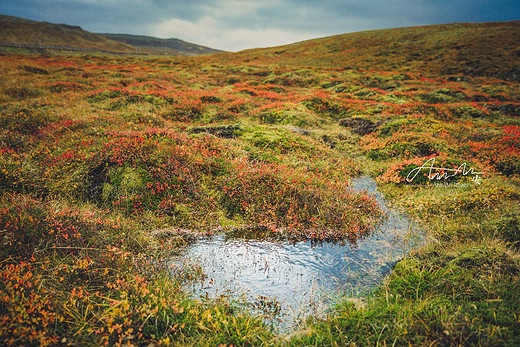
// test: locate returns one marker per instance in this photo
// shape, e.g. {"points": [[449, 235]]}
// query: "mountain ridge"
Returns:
{"points": [[473, 49], [26, 31], [154, 45], [16, 30]]}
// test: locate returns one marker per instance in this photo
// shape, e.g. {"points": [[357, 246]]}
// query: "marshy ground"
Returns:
{"points": [[98, 152]]}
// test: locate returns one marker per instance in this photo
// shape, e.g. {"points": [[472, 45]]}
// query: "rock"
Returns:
{"points": [[225, 131], [358, 125], [513, 75], [329, 141], [300, 131]]}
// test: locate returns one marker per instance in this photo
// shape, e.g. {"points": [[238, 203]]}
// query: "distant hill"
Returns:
{"points": [[24, 31], [154, 45], [473, 49], [19, 30]]}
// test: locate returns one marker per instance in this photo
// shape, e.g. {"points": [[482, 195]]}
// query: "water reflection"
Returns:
{"points": [[302, 276]]}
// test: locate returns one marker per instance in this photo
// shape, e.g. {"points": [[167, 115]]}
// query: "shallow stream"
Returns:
{"points": [[289, 281]]}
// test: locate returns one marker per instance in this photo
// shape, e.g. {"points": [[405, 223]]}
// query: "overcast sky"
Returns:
{"points": [[235, 25]]}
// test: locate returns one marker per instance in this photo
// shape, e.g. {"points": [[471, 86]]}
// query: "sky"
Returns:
{"points": [[235, 25]]}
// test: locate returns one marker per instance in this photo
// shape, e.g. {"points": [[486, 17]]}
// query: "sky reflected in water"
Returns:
{"points": [[304, 278]]}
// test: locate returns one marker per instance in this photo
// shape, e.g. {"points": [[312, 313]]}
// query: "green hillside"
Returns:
{"points": [[153, 45], [24, 31], [19, 30], [474, 49]]}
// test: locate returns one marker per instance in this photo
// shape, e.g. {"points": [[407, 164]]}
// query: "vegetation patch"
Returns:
{"points": [[110, 165]]}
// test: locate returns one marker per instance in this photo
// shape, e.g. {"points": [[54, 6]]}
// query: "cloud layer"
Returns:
{"points": [[240, 24]]}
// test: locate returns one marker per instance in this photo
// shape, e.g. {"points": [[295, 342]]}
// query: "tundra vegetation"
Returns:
{"points": [[99, 152]]}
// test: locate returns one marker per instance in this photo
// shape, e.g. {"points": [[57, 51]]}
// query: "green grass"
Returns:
{"points": [[460, 290]]}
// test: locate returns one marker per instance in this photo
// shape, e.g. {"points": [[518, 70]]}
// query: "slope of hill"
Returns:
{"points": [[24, 31], [474, 49], [19, 30], [154, 45]]}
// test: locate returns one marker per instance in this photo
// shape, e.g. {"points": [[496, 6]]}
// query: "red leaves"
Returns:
{"points": [[302, 205], [27, 308]]}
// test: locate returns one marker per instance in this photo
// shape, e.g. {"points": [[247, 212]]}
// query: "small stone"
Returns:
{"points": [[358, 125]]}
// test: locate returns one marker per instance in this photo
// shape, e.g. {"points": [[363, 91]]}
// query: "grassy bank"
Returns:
{"points": [[99, 153], [459, 290]]}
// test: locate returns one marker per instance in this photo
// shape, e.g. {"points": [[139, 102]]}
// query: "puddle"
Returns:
{"points": [[295, 280]]}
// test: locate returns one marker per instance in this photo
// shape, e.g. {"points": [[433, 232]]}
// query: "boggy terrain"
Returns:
{"points": [[109, 164]]}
